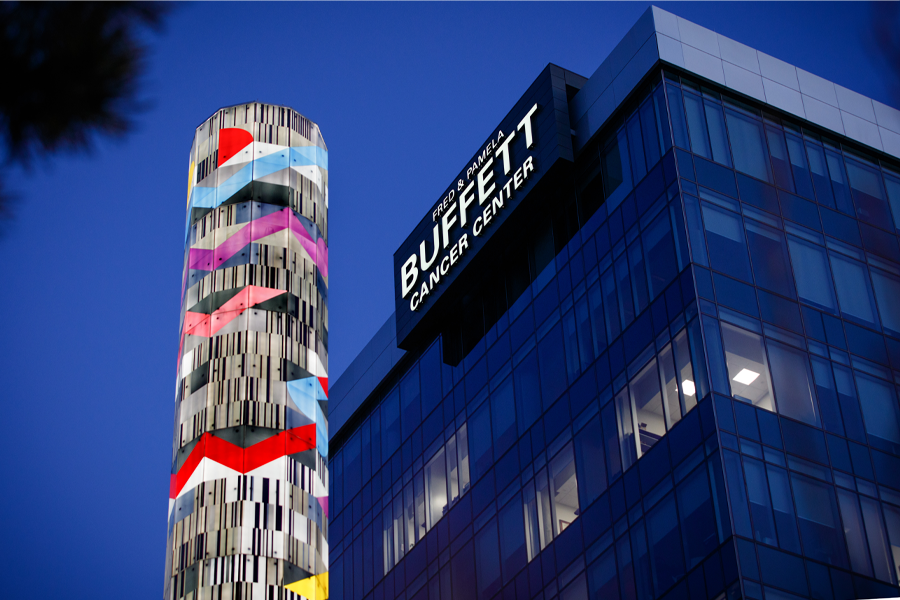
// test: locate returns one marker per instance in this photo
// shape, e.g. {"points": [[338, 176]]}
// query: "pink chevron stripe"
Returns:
{"points": [[208, 325], [201, 258]]}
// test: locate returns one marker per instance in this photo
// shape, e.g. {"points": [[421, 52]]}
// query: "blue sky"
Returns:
{"points": [[404, 94]]}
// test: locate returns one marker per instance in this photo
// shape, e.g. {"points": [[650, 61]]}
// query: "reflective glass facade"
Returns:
{"points": [[248, 507], [684, 384]]}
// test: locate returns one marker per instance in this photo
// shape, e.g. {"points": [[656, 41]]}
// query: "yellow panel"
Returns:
{"points": [[314, 588], [190, 182]]}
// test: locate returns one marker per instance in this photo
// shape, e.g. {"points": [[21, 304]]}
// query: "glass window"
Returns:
{"points": [[737, 493], [611, 305], [399, 530], [636, 145], [462, 452], [480, 442], [697, 518], [452, 470], [828, 402], [760, 506], [435, 488], [585, 339], [868, 193], [543, 509], [650, 132], [513, 553], [793, 383], [638, 276], [642, 576], [664, 536], [591, 462], [715, 120], [570, 340], [853, 531], [598, 326], [611, 441], [660, 255], [771, 264], [527, 392], [880, 411], [487, 560], [812, 273], [669, 382], [783, 506], [616, 170], [410, 514], [686, 385], [780, 164], [695, 230], [648, 409], [878, 545], [819, 522], [748, 368], [503, 416], [410, 401], [892, 183], [843, 379], [697, 124], [892, 520], [564, 489], [679, 122], [388, 539], [531, 509], [552, 357], [727, 248], [421, 523], [820, 177], [749, 146], [390, 418], [623, 288], [838, 181], [662, 121], [430, 365], [854, 291], [799, 166], [626, 429], [887, 291], [603, 580]]}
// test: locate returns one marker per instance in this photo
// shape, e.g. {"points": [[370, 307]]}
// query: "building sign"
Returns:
{"points": [[490, 186], [522, 151]]}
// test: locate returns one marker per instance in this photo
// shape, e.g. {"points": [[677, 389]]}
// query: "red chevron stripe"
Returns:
{"points": [[240, 459]]}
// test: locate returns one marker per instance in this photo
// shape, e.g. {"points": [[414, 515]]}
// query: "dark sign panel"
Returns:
{"points": [[523, 149]]}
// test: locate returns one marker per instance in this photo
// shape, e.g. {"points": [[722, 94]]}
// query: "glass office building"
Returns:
{"points": [[665, 366], [248, 507]]}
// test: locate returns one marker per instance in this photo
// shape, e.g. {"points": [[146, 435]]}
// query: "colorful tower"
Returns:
{"points": [[248, 507]]}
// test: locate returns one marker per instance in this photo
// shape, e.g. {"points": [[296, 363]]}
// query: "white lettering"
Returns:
{"points": [[528, 166], [434, 278], [526, 123], [485, 192], [517, 176], [504, 151], [414, 302], [507, 189], [497, 204], [426, 263], [445, 265], [410, 274], [454, 254], [463, 243], [465, 201], [477, 227], [487, 215], [447, 221]]}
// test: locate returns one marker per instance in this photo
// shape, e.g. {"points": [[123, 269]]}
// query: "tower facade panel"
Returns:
{"points": [[248, 501]]}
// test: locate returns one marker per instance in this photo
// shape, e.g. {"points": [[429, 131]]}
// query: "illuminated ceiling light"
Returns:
{"points": [[746, 376], [687, 387]]}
